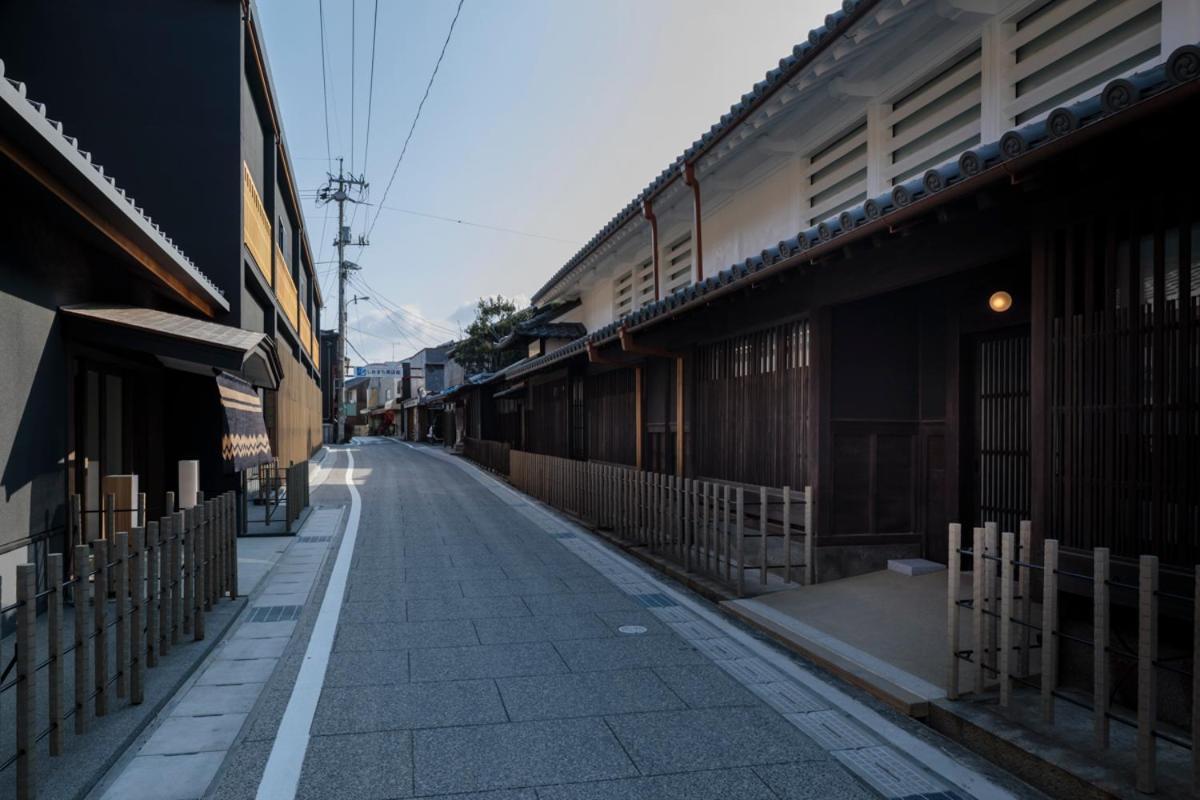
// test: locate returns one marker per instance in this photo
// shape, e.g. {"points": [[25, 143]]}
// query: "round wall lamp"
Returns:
{"points": [[1000, 302]]}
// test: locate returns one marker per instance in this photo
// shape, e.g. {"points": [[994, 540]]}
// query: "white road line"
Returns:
{"points": [[282, 774]]}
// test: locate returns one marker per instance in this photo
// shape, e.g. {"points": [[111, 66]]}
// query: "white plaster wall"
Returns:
{"points": [[756, 217]]}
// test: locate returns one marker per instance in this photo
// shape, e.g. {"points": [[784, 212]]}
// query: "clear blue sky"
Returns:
{"points": [[547, 117]]}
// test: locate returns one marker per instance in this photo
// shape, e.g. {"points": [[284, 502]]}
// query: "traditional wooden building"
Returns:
{"points": [[942, 264], [110, 345], [178, 101]]}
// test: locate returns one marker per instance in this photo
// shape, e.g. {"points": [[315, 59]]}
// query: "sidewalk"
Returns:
{"points": [[179, 755]]}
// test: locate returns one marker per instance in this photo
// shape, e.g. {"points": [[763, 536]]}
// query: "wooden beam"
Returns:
{"points": [[679, 419], [628, 345], [101, 224], [638, 392]]}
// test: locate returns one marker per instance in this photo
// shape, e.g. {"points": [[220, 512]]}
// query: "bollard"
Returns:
{"points": [[100, 637], [1008, 544], [741, 541], [978, 584], [54, 627], [82, 630], [1049, 628], [200, 593], [1147, 700], [137, 660], [764, 563], [787, 534], [26, 683], [120, 584], [1025, 590], [1100, 611], [809, 567], [953, 565], [153, 595]]}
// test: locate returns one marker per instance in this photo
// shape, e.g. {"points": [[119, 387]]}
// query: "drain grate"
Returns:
{"points": [[833, 731], [274, 613], [655, 600], [890, 774], [314, 538]]}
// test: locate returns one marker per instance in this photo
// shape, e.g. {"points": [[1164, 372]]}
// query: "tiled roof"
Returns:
{"points": [[802, 54], [970, 167], [13, 94], [543, 330]]}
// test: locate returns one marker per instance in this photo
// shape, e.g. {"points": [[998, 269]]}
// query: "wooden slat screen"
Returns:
{"points": [[546, 428], [256, 229], [285, 290], [611, 434], [1002, 415], [752, 406], [1124, 386]]}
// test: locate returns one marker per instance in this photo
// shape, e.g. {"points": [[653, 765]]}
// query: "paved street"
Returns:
{"points": [[485, 645]]}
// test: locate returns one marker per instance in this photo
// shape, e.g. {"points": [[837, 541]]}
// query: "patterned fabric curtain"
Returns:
{"points": [[245, 443]]}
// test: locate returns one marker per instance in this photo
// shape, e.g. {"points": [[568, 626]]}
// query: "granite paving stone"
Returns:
{"points": [[358, 709], [733, 784], [165, 777], [466, 608], [404, 635], [226, 671], [616, 619], [424, 574], [585, 694], [546, 605], [515, 755], [360, 766], [541, 629], [367, 668], [178, 735], [386, 589], [813, 780], [706, 686], [391, 611], [202, 700], [714, 737], [627, 652], [485, 661], [515, 586]]}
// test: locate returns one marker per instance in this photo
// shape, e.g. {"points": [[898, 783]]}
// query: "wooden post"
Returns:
{"points": [[1049, 628], [787, 534], [1100, 611], [187, 533], [1025, 590], [1196, 682], [991, 537], [200, 595], [725, 533], [167, 573], [141, 515], [26, 685], [120, 576], [809, 533], [110, 516], [82, 630], [953, 565], [75, 527], [1147, 700], [210, 552], [137, 658], [1008, 546], [762, 535], [741, 541], [170, 503], [153, 594], [54, 627], [100, 633], [233, 560], [687, 523], [977, 591]]}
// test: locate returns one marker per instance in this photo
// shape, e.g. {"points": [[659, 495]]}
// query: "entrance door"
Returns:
{"points": [[999, 488]]}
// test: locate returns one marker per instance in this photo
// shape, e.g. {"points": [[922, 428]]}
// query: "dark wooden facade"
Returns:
{"points": [[881, 375]]}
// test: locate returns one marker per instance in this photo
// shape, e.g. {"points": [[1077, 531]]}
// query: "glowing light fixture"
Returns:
{"points": [[1000, 302]]}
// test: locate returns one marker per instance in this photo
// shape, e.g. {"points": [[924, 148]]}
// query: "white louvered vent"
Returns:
{"points": [[934, 120], [1064, 48], [838, 173], [630, 294], [677, 265]]}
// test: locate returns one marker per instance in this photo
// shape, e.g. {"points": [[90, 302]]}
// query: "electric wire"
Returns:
{"points": [[416, 118], [481, 225], [353, 71], [398, 308], [324, 86]]}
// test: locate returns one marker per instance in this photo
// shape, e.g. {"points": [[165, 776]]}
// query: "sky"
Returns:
{"points": [[545, 119]]}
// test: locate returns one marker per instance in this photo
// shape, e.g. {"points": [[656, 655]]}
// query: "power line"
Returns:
{"points": [[416, 117], [391, 312], [324, 87], [371, 86], [480, 225], [353, 70], [396, 306]]}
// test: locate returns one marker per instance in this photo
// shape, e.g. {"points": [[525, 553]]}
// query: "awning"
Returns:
{"points": [[179, 342], [245, 443], [516, 390]]}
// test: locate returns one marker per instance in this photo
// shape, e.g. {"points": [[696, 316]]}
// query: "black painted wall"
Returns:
{"points": [[152, 91]]}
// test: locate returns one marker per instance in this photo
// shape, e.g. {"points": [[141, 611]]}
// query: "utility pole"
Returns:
{"points": [[336, 190]]}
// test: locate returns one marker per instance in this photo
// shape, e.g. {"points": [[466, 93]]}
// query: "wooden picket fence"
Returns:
{"points": [[488, 454], [162, 577], [1005, 630], [716, 528]]}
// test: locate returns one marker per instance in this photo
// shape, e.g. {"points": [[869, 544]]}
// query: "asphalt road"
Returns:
{"points": [[486, 648]]}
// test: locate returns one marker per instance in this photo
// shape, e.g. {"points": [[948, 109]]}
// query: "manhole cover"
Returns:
{"points": [[632, 629]]}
